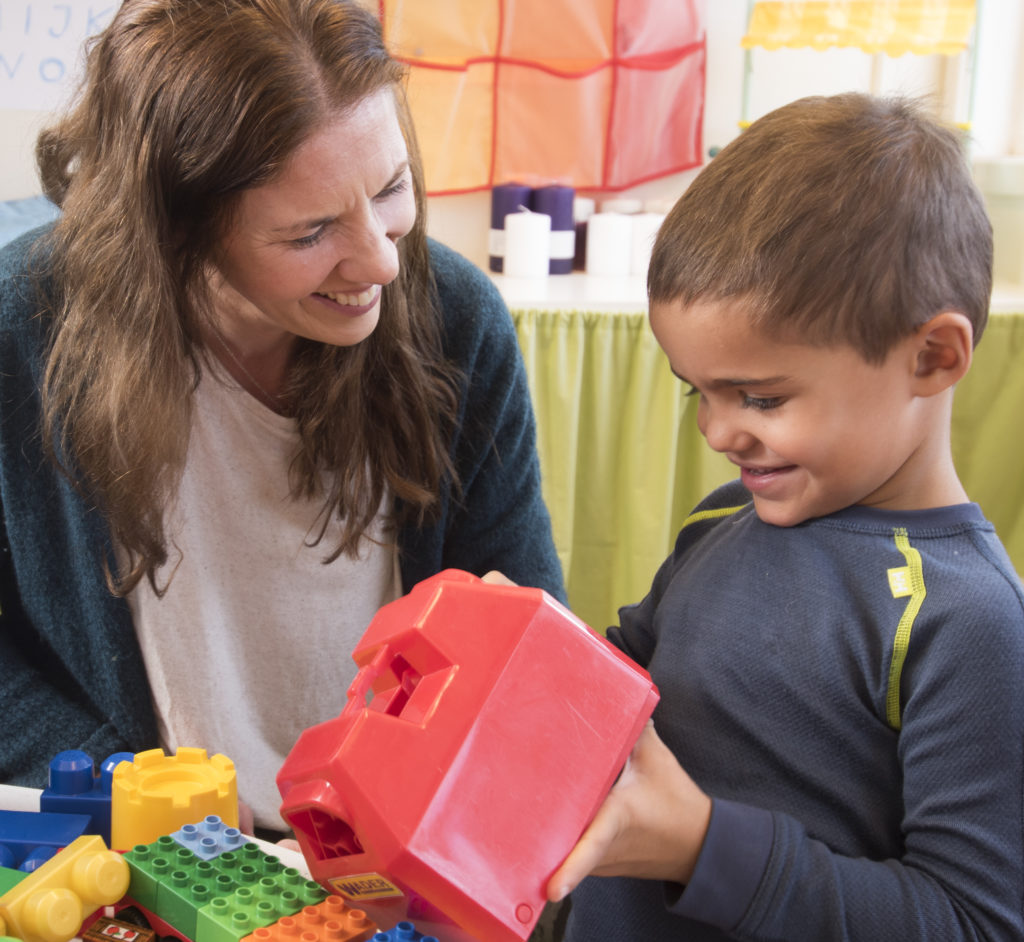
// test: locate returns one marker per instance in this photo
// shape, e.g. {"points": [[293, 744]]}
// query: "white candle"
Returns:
{"points": [[527, 244], [645, 228], [609, 244]]}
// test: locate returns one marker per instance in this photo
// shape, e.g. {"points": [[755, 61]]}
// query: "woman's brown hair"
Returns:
{"points": [[185, 105]]}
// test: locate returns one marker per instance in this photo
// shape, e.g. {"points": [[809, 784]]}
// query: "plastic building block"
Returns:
{"points": [[220, 899], [152, 864], [29, 838], [210, 838], [36, 858], [159, 794], [329, 921], [51, 902], [74, 788], [105, 929], [403, 932], [462, 771], [9, 878]]}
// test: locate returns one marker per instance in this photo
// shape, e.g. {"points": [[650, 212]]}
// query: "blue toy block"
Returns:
{"points": [[209, 838], [403, 932], [23, 833], [75, 788], [36, 858]]}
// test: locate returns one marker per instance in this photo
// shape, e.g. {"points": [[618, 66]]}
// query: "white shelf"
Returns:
{"points": [[576, 291], [583, 292]]}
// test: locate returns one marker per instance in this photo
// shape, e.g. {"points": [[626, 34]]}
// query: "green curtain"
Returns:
{"points": [[623, 462], [988, 430]]}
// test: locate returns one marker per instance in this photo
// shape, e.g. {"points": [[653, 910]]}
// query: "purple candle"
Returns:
{"points": [[557, 202], [505, 198]]}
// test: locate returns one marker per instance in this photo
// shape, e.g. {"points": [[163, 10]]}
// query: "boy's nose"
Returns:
{"points": [[723, 432]]}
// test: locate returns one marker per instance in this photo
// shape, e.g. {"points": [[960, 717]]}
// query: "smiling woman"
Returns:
{"points": [[277, 403], [308, 252]]}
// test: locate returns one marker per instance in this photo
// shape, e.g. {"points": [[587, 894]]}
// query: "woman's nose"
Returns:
{"points": [[373, 255]]}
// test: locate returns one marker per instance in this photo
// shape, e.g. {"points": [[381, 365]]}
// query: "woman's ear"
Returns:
{"points": [[944, 347]]}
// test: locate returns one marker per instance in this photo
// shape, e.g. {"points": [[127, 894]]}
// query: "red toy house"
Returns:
{"points": [[481, 734]]}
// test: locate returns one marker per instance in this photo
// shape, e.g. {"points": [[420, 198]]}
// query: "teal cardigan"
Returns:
{"points": [[72, 672]]}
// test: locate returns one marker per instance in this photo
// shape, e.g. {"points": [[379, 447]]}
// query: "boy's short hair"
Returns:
{"points": [[841, 220]]}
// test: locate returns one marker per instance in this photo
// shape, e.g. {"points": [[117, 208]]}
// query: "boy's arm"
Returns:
{"points": [[652, 824], [761, 875], [960, 874]]}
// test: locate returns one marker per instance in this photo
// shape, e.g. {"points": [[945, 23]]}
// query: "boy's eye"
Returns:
{"points": [[692, 391], [763, 403]]}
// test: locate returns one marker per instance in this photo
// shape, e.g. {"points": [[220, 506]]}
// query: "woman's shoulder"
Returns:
{"points": [[463, 289], [24, 264]]}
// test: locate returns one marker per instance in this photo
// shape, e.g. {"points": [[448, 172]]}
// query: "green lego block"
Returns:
{"points": [[181, 896], [230, 918], [9, 879], [151, 865], [221, 899], [250, 907]]}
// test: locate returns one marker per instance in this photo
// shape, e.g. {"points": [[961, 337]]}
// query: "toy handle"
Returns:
{"points": [[363, 683]]}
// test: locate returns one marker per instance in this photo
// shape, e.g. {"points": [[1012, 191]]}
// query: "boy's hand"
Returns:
{"points": [[651, 825], [496, 578]]}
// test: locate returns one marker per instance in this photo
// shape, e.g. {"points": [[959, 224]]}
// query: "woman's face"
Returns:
{"points": [[309, 251]]}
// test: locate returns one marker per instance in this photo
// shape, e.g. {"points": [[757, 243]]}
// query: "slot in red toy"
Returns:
{"points": [[481, 734]]}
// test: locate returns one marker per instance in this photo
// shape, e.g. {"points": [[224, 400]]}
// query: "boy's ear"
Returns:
{"points": [[944, 346]]}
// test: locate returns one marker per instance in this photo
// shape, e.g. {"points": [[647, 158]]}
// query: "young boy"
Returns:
{"points": [[838, 637]]}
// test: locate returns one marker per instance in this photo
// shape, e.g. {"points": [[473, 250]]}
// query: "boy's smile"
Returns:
{"points": [[813, 429]]}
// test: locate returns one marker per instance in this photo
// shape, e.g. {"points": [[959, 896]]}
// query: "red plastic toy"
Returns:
{"points": [[481, 734]]}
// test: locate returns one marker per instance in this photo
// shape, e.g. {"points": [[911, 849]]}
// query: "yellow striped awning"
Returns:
{"points": [[895, 27]]}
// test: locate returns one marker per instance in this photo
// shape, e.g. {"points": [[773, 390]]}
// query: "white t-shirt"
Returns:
{"points": [[252, 642]]}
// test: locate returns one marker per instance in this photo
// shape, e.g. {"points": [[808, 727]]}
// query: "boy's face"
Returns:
{"points": [[813, 429]]}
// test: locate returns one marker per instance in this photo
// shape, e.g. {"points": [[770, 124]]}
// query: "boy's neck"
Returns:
{"points": [[929, 477]]}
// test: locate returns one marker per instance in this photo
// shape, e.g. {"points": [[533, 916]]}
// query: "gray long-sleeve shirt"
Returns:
{"points": [[850, 692]]}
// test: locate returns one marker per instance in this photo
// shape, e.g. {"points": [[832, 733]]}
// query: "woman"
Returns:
{"points": [[275, 405]]}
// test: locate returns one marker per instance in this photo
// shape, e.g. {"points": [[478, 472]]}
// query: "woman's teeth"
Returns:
{"points": [[353, 300]]}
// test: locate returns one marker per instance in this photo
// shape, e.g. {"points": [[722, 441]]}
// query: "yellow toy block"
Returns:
{"points": [[159, 794], [51, 902]]}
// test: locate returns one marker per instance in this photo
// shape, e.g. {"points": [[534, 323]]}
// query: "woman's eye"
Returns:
{"points": [[399, 186], [311, 239], [764, 404]]}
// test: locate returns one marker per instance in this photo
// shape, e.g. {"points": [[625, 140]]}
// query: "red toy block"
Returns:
{"points": [[481, 734]]}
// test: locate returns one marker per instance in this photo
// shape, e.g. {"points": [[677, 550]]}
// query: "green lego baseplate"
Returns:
{"points": [[222, 899]]}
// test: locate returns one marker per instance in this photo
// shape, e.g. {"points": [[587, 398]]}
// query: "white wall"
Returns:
{"points": [[777, 77]]}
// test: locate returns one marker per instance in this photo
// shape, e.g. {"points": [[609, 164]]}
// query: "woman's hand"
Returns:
{"points": [[245, 819], [651, 825]]}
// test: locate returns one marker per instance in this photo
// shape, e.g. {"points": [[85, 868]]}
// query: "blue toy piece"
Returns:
{"points": [[75, 788], [29, 838], [403, 932], [209, 838], [36, 858]]}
